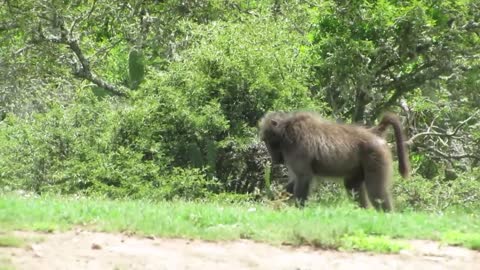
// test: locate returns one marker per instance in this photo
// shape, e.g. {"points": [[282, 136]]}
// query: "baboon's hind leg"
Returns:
{"points": [[377, 183], [355, 186], [377, 169]]}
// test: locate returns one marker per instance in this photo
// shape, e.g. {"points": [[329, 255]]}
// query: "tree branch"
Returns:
{"points": [[8, 26], [84, 71], [79, 18], [450, 156], [406, 83], [471, 26], [439, 134]]}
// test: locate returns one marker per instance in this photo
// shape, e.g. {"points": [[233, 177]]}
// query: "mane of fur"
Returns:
{"points": [[313, 131]]}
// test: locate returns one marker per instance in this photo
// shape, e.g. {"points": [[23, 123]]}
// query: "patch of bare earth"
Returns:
{"points": [[92, 250]]}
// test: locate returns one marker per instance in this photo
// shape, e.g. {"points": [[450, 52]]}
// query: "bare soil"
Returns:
{"points": [[94, 250]]}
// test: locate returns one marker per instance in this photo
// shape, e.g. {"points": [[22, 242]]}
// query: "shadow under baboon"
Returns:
{"points": [[312, 146]]}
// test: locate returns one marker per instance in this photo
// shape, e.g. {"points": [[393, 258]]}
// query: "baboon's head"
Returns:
{"points": [[271, 132]]}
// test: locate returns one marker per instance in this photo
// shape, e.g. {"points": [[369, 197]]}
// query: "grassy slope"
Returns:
{"points": [[332, 227]]}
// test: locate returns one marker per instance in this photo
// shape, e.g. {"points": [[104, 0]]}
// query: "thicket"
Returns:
{"points": [[161, 99]]}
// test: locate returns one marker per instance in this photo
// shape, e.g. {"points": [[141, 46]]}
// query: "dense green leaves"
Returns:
{"points": [[247, 68], [370, 55]]}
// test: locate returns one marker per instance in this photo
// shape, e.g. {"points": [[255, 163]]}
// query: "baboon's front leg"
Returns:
{"points": [[301, 188], [289, 186]]}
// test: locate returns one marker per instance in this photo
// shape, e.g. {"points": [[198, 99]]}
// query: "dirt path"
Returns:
{"points": [[87, 250]]}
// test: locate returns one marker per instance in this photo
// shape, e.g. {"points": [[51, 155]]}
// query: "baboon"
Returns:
{"points": [[312, 146]]}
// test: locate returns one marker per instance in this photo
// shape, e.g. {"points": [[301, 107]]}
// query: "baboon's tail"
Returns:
{"points": [[392, 119]]}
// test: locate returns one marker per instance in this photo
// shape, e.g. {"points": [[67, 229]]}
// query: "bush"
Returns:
{"points": [[438, 195], [79, 149], [233, 65]]}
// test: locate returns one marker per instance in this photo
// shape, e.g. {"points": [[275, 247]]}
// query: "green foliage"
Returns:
{"points": [[186, 184], [233, 65], [436, 195], [367, 55], [164, 118], [136, 68], [77, 149], [116, 65]]}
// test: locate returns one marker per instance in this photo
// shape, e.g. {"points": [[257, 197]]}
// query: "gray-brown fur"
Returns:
{"points": [[393, 120], [310, 145]]}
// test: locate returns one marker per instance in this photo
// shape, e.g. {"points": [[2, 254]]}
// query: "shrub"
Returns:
{"points": [[233, 65], [438, 195], [78, 149]]}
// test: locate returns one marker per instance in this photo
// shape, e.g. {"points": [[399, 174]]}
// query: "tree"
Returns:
{"points": [[370, 55]]}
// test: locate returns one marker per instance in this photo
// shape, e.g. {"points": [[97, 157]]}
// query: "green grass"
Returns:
{"points": [[343, 226], [6, 264], [380, 243], [11, 241]]}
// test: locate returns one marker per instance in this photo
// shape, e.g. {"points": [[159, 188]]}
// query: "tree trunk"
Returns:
{"points": [[360, 104]]}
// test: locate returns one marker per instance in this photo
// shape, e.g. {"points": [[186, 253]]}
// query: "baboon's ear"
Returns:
{"points": [[274, 122]]}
